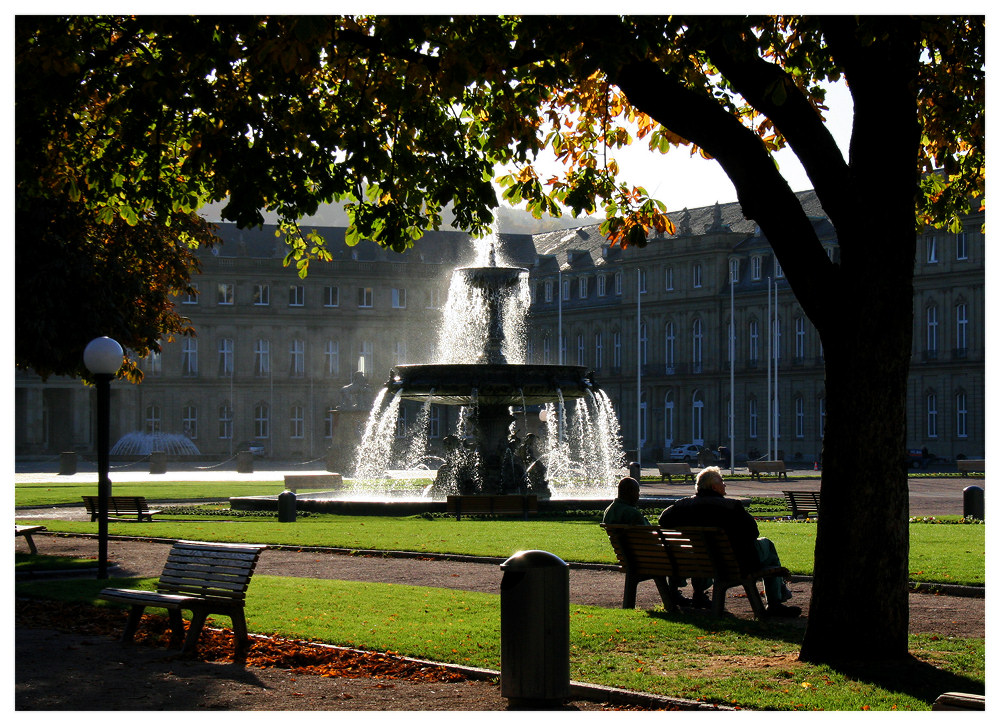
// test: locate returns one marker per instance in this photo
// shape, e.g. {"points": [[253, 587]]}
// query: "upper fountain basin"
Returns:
{"points": [[491, 278], [489, 384]]}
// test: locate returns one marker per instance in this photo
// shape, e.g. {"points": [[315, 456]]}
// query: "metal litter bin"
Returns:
{"points": [[974, 502], [244, 462], [286, 506], [67, 463], [534, 629], [635, 470]]}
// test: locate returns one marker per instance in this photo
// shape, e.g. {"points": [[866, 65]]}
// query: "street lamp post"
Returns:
{"points": [[103, 358]]}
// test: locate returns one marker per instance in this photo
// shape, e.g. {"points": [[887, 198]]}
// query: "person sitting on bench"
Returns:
{"points": [[624, 509], [710, 507]]}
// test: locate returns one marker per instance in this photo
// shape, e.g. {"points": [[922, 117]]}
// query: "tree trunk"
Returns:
{"points": [[859, 608]]}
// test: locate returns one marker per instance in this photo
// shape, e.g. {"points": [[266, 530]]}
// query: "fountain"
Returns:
{"points": [[138, 443], [496, 447]]}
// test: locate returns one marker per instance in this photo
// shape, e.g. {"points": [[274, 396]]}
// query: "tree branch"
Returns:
{"points": [[763, 193]]}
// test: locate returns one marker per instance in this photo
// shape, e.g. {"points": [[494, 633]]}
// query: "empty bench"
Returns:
{"points": [[801, 503], [969, 466], [767, 467], [121, 508], [26, 530], [206, 578], [657, 553], [493, 504], [668, 470]]}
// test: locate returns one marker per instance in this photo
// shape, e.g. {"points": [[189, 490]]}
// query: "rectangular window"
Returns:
{"points": [[932, 329], [962, 327], [546, 351], [778, 272], [434, 422], [602, 285], [399, 297], [752, 410], [331, 296], [583, 291], [332, 355], [434, 299], [616, 350], [154, 364], [296, 423], [190, 295], [366, 297], [189, 357], [932, 413], [189, 421], [696, 275], [261, 421], [753, 351], [399, 352], [668, 278], [598, 351], [297, 359], [734, 270], [670, 348], [961, 416], [618, 283], [328, 422], [262, 358], [152, 419], [296, 296], [932, 256], [642, 281], [226, 357], [755, 267], [961, 247], [367, 357], [800, 337], [800, 418], [224, 293], [261, 294], [548, 291], [225, 421], [565, 288], [581, 351]]}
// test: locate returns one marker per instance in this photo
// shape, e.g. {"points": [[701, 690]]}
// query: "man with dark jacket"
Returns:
{"points": [[710, 507]]}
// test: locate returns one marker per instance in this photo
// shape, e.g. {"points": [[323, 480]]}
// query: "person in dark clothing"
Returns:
{"points": [[710, 507], [624, 509]]}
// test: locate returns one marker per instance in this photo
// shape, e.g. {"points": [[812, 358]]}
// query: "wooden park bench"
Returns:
{"points": [[801, 503], [655, 553], [26, 530], [203, 577], [969, 466], [493, 504], [121, 508], [767, 467], [668, 470]]}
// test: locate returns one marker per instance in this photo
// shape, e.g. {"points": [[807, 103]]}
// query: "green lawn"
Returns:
{"points": [[728, 660], [952, 553]]}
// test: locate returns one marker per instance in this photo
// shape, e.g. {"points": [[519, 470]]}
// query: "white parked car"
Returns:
{"points": [[685, 452]]}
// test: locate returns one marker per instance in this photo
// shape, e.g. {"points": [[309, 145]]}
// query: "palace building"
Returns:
{"points": [[669, 330]]}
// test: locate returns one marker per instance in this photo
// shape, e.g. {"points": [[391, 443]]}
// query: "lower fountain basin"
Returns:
{"points": [[461, 384]]}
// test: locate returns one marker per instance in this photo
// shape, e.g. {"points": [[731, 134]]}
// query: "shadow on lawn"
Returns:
{"points": [[911, 676], [788, 630]]}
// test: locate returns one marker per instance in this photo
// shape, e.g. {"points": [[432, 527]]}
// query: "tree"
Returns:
{"points": [[144, 118]]}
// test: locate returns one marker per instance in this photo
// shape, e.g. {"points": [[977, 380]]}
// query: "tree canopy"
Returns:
{"points": [[130, 124]]}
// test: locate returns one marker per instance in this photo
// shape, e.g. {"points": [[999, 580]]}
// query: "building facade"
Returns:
{"points": [[696, 337]]}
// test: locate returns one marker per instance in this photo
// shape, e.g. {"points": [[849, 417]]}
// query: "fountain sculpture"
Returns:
{"points": [[501, 401]]}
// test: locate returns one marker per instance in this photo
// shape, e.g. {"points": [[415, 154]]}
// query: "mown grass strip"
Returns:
{"points": [[938, 553]]}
